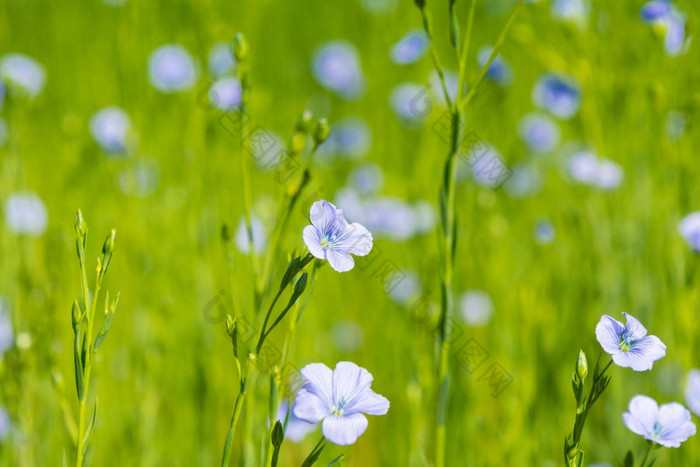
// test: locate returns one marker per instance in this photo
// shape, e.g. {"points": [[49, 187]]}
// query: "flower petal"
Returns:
{"points": [[608, 332], [344, 430], [309, 408], [355, 239], [320, 381], [340, 261], [642, 415], [371, 403], [349, 380], [634, 329], [313, 242], [322, 215], [677, 427], [649, 347]]}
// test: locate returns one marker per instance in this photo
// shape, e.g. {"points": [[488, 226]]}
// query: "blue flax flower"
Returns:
{"points": [[668, 425], [629, 345], [339, 399], [331, 237]]}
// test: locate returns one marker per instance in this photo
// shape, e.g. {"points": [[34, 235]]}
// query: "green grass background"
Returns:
{"points": [[165, 375]]}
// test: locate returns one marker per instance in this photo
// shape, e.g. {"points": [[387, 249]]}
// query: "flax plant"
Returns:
{"points": [[448, 242], [86, 343], [292, 190]]}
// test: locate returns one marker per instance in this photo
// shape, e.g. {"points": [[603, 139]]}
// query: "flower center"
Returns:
{"points": [[625, 343], [327, 241], [656, 432], [339, 408]]}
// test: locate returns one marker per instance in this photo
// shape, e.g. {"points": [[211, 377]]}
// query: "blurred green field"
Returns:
{"points": [[165, 375]]}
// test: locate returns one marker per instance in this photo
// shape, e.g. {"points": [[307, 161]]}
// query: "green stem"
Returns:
{"points": [[237, 409], [646, 454], [308, 461], [436, 58]]}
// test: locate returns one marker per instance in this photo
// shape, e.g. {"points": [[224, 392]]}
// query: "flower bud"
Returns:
{"points": [[305, 122], [322, 131], [80, 226], [582, 365], [108, 246], [75, 315], [230, 325], [420, 3], [297, 143], [240, 47], [277, 434]]}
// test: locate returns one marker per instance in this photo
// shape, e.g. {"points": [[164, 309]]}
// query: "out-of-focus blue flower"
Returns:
{"points": [[587, 168], [5, 424], [221, 59], [558, 93], [6, 334], [692, 391], [225, 94], [484, 165], [539, 132], [25, 214], [499, 70], [4, 132], [295, 430], [331, 237], [140, 179], [2, 93], [668, 425], [267, 148], [629, 345], [407, 288], [545, 231], [367, 179], [451, 83], [476, 308], [411, 103], [689, 228], [390, 217], [23, 74], [339, 399], [171, 69], [259, 235], [110, 128], [669, 22], [410, 47], [524, 181], [352, 137], [336, 66], [572, 11]]}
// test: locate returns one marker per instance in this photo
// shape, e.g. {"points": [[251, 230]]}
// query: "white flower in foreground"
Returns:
{"points": [[22, 73], [692, 391], [110, 127], [25, 213], [171, 69], [339, 399], [629, 345], [331, 237], [668, 425]]}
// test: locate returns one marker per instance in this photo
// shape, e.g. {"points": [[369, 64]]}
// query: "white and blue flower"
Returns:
{"points": [[22, 74], [668, 425], [689, 228], [629, 345], [331, 237], [692, 391], [539, 132], [410, 48], [339, 399], [25, 214], [336, 66]]}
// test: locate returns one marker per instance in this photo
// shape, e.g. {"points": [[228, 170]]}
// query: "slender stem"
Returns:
{"points": [[90, 317], [237, 409], [494, 53], [436, 58], [646, 454]]}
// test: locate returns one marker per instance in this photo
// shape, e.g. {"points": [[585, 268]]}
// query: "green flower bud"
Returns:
{"points": [[240, 47], [305, 122], [297, 143], [582, 366], [108, 246], [230, 325], [322, 131], [420, 3], [75, 315], [80, 226], [277, 434]]}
